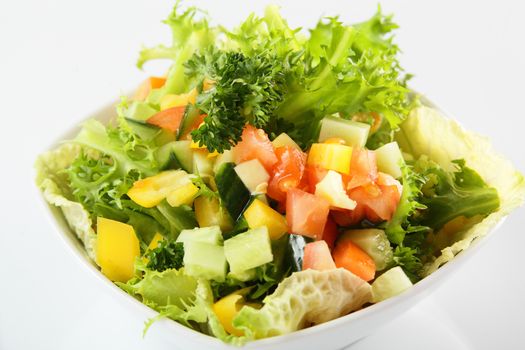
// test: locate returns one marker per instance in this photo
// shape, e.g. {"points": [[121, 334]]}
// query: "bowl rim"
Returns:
{"points": [[427, 285]]}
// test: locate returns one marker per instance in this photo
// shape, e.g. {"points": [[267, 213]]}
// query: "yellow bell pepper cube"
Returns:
{"points": [[152, 190], [260, 214], [331, 156], [195, 145], [227, 308], [208, 212], [117, 248], [182, 195], [172, 100]]}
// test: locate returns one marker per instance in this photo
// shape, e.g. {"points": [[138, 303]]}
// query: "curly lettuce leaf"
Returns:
{"points": [[427, 132], [190, 33], [54, 185], [179, 297], [400, 224], [448, 195], [305, 298]]}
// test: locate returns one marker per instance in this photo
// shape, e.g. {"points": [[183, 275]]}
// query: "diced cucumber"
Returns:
{"points": [[202, 164], [190, 115], [224, 157], [253, 175], [248, 250], [209, 212], [140, 111], [234, 194], [243, 276], [374, 242], [211, 235], [389, 284], [175, 155], [165, 136], [284, 140], [204, 260], [184, 154], [145, 131], [390, 159], [355, 134]]}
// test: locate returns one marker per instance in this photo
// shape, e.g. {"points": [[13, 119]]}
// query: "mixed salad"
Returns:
{"points": [[274, 178]]}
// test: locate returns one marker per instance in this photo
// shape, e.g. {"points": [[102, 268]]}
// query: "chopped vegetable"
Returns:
{"points": [[390, 284], [306, 213], [117, 248], [354, 259], [331, 157], [317, 256], [260, 214]]}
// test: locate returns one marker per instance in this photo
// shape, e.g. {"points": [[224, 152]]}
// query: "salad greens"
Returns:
{"points": [[158, 201], [271, 76]]}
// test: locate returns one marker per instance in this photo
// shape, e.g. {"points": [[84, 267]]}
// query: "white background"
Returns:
{"points": [[60, 60]]}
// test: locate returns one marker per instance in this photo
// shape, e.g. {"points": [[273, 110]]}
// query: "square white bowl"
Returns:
{"points": [[334, 334]]}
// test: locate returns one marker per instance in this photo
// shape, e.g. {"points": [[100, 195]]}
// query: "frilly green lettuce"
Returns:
{"points": [[53, 183], [180, 297], [427, 132], [305, 298]]}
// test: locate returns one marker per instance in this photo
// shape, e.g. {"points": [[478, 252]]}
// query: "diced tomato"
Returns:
{"points": [[363, 168], [380, 202], [287, 172], [255, 144], [314, 175], [349, 217], [388, 180], [169, 119], [330, 233], [317, 256], [306, 213], [349, 256]]}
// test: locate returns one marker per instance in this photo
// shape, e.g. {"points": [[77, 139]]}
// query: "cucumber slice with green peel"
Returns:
{"points": [[253, 175], [390, 159], [390, 284], [353, 133], [184, 154], [374, 242], [190, 115], [175, 155], [211, 235], [140, 111], [234, 194], [205, 260], [202, 164], [146, 132], [164, 137], [248, 250], [224, 157]]}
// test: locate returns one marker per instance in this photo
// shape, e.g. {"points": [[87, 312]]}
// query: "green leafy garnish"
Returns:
{"points": [[168, 255]]}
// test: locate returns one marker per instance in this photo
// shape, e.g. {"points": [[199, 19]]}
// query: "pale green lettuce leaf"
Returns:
{"points": [[54, 185], [180, 297], [428, 132], [305, 298]]}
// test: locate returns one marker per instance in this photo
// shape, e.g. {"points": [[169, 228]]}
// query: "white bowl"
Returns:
{"points": [[335, 334]]}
